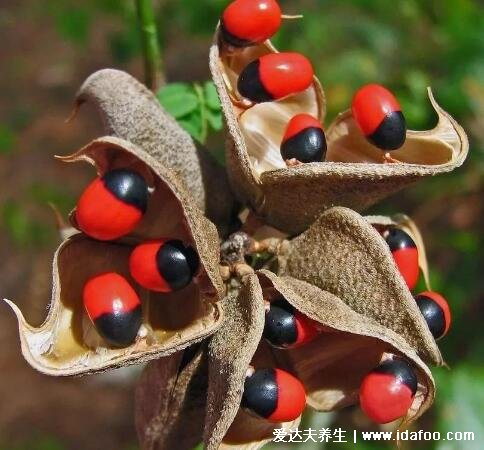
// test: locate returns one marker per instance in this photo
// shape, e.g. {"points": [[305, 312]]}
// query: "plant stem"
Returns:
{"points": [[154, 77]]}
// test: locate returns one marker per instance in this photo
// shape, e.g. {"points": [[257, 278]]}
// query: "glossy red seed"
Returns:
{"points": [[249, 22], [108, 293], [371, 104], [444, 306], [299, 123], [144, 269], [387, 392], [284, 74], [291, 398], [406, 260]]}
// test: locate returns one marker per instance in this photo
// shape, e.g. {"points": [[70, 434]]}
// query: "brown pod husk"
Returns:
{"points": [[67, 343], [333, 365], [353, 174], [405, 223], [130, 111], [344, 254], [170, 401], [230, 352]]}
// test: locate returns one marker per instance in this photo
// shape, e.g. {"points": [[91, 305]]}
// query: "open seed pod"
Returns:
{"points": [[405, 223], [331, 367], [67, 343], [130, 111], [353, 173], [344, 254], [170, 401]]}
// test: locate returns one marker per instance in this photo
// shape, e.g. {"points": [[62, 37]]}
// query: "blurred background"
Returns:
{"points": [[48, 49]]}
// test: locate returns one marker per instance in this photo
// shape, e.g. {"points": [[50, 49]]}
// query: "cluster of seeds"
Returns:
{"points": [[110, 208], [388, 391], [277, 76]]}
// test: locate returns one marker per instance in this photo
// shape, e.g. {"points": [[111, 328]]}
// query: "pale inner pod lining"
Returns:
{"points": [[263, 127]]}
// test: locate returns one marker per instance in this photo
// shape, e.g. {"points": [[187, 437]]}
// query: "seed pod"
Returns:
{"points": [[330, 367], [435, 311], [285, 327], [405, 254], [114, 308], [336, 250], [274, 395], [130, 111], [112, 205], [379, 116], [304, 140], [275, 76], [388, 391], [66, 343], [163, 265], [249, 22], [353, 174]]}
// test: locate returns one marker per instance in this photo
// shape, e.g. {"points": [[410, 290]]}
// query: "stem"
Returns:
{"points": [[154, 77], [203, 113]]}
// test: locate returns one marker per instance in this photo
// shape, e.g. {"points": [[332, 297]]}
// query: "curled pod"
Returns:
{"points": [[68, 342], [334, 252], [249, 22], [330, 367], [353, 173], [130, 111], [435, 311]]}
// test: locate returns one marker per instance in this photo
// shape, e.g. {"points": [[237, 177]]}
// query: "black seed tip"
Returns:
{"points": [[401, 370], [280, 328], [397, 239], [121, 328], [307, 146], [260, 393], [250, 86], [177, 263], [391, 133], [433, 315], [127, 186], [231, 39]]}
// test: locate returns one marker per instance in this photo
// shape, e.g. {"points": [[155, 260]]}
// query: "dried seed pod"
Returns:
{"points": [[343, 253], [353, 174], [351, 344], [170, 401], [130, 111], [68, 344]]}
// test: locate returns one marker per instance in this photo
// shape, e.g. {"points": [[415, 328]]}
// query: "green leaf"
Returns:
{"points": [[193, 124], [179, 99], [214, 118], [7, 139], [211, 96]]}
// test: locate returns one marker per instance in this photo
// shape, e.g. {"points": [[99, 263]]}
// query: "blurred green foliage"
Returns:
{"points": [[406, 45]]}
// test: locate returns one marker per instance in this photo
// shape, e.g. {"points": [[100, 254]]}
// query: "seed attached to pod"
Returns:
{"points": [[304, 140], [379, 116], [405, 254], [112, 205], [250, 22], [274, 395], [114, 308], [275, 76], [285, 327], [163, 265], [436, 312], [387, 392]]}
